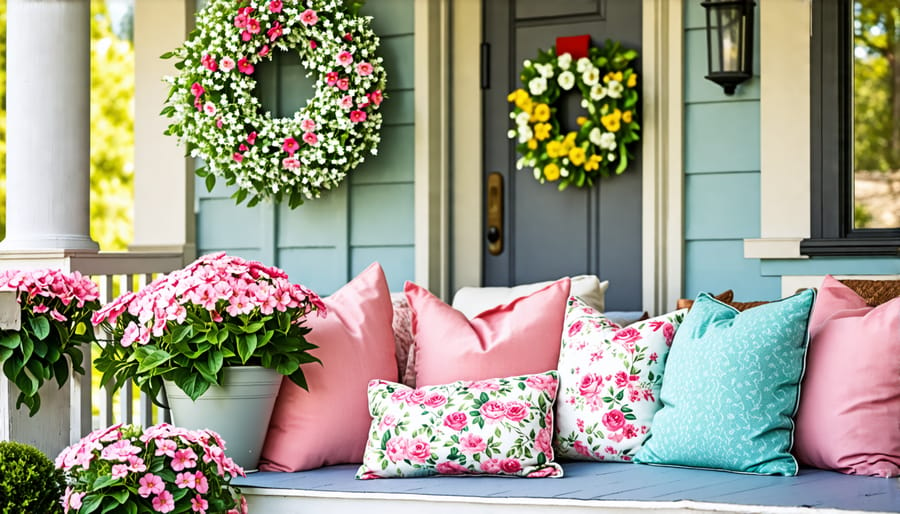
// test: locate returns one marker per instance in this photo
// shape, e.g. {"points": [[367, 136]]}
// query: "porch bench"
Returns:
{"points": [[586, 487]]}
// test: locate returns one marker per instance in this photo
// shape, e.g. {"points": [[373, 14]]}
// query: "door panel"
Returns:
{"points": [[549, 233]]}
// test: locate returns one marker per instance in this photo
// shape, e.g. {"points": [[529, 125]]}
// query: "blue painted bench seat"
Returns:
{"points": [[601, 487]]}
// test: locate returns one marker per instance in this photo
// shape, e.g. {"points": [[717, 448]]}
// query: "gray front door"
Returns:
{"points": [[547, 233]]}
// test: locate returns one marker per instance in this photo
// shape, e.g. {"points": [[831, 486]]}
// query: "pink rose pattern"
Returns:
{"points": [[501, 426], [610, 378]]}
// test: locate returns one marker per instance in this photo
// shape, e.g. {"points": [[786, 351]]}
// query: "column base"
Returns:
{"points": [[52, 242]]}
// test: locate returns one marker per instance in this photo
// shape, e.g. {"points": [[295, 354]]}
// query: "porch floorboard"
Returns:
{"points": [[604, 486]]}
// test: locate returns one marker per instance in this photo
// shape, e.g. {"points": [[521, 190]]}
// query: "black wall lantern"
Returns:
{"points": [[729, 41]]}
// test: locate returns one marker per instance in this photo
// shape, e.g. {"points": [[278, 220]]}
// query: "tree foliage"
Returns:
{"points": [[877, 84], [112, 130]]}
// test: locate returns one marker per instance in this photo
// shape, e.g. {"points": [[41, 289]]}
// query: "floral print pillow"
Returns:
{"points": [[499, 426], [609, 382]]}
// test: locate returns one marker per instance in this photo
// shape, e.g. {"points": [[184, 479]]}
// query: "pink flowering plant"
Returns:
{"points": [[56, 309], [125, 469], [189, 325], [218, 118]]}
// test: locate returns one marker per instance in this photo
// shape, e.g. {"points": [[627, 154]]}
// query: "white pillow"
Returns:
{"points": [[472, 301]]}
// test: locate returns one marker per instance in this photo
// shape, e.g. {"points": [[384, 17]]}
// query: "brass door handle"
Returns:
{"points": [[494, 214]]}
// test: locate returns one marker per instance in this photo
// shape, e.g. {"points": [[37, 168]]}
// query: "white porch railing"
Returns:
{"points": [[115, 273]]}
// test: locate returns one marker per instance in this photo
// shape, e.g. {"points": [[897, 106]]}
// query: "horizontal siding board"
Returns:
{"points": [[221, 224], [391, 17], [394, 162], [697, 88], [318, 222], [722, 137], [722, 206], [833, 265], [381, 215], [398, 54], [398, 263], [324, 270], [399, 108], [714, 266]]}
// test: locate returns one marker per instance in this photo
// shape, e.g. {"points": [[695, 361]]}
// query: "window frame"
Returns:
{"points": [[831, 131]]}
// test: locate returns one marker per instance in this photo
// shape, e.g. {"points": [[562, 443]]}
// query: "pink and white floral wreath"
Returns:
{"points": [[218, 118]]}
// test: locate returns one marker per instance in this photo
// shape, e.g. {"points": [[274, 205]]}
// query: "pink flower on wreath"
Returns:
{"points": [[150, 484], [237, 157], [309, 17], [243, 148], [246, 36], [253, 26], [346, 102], [275, 6], [344, 58], [418, 450], [491, 465], [310, 138], [240, 21], [331, 78], [227, 64], [515, 411], [198, 504], [308, 125], [364, 69], [312, 44], [510, 465], [164, 502], [376, 97], [472, 443], [290, 163], [197, 90], [358, 116], [343, 84], [613, 420], [434, 400], [456, 420], [244, 66], [492, 410], [290, 145], [450, 468], [219, 123], [264, 51], [209, 62], [348, 37], [275, 31], [251, 138]]}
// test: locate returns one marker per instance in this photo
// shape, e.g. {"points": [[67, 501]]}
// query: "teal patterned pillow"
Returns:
{"points": [[731, 388]]}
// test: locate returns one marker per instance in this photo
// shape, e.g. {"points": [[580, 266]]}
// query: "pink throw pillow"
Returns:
{"points": [[849, 416], [329, 424], [518, 338]]}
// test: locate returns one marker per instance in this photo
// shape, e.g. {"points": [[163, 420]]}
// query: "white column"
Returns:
{"points": [[48, 126], [163, 177]]}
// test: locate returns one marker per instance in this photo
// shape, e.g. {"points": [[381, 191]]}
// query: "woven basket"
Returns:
{"points": [[875, 292]]}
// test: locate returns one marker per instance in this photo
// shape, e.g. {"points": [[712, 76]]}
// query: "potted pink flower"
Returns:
{"points": [[56, 309], [161, 469], [220, 322]]}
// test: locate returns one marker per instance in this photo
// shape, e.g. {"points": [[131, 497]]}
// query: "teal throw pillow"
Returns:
{"points": [[731, 388]]}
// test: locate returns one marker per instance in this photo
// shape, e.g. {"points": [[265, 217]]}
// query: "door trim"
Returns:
{"points": [[662, 186]]}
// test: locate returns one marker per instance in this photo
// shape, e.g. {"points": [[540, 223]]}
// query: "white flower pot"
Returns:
{"points": [[239, 410]]}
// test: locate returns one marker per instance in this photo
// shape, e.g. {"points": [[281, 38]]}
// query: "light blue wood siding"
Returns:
{"points": [[325, 242], [722, 162]]}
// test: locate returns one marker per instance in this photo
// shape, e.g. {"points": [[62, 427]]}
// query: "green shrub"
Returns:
{"points": [[29, 482]]}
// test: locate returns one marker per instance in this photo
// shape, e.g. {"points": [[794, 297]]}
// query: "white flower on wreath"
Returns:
{"points": [[522, 119], [595, 136], [598, 92], [525, 133], [615, 88], [608, 141], [545, 70], [566, 80], [591, 76], [582, 64], [564, 61], [537, 85]]}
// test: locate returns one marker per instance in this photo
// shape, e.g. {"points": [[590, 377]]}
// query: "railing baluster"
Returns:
{"points": [[106, 403]]}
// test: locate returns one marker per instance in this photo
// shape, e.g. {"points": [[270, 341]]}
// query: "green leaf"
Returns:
{"points": [[27, 348], [40, 348], [40, 326], [61, 372], [167, 55], [153, 360], [210, 182], [9, 340], [246, 346], [90, 503], [5, 353], [214, 361], [103, 481], [130, 508]]}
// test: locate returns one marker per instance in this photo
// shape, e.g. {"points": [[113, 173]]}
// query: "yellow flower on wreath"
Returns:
{"points": [[542, 112], [632, 80], [521, 99], [555, 149], [551, 172], [532, 144], [626, 116], [593, 163], [577, 156], [542, 131], [612, 120]]}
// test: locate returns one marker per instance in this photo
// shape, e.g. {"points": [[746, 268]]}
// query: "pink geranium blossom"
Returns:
{"points": [[275, 6], [364, 68], [358, 116], [290, 145], [309, 17], [164, 502], [227, 64], [344, 58], [310, 138], [244, 66], [150, 484]]}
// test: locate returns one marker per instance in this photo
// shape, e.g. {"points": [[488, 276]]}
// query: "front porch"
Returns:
{"points": [[586, 487]]}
